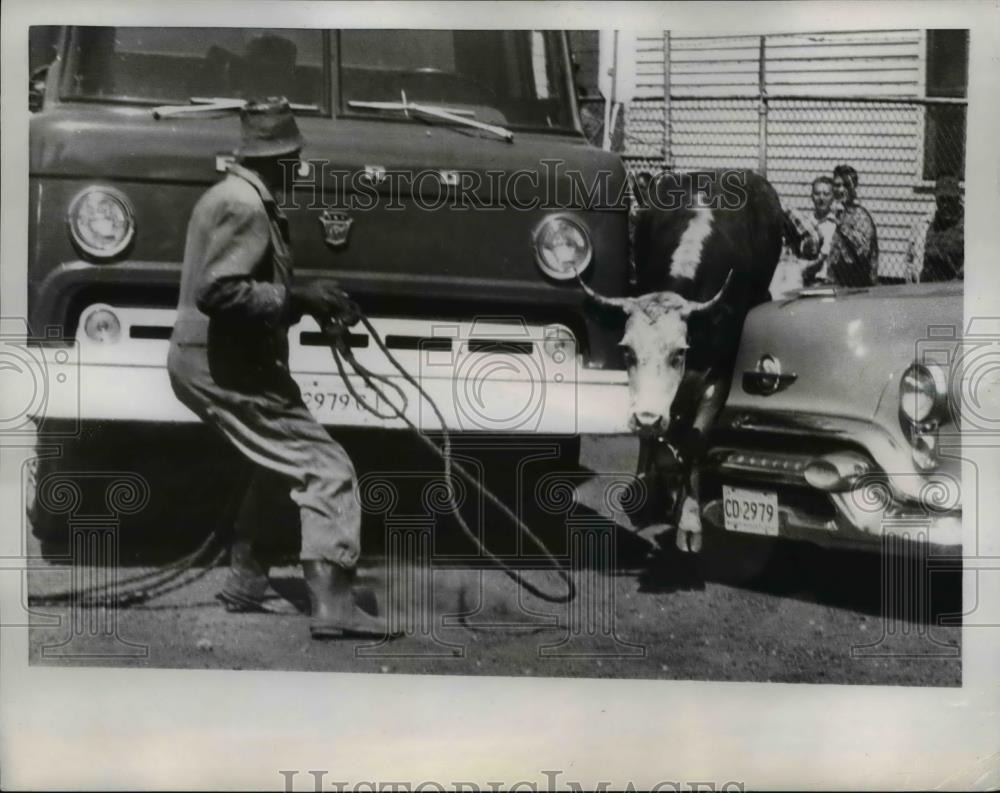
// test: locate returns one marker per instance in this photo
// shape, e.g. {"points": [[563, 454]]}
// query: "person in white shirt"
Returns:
{"points": [[815, 230]]}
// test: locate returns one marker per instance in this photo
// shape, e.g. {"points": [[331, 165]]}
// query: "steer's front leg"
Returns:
{"points": [[689, 520], [712, 397], [650, 498]]}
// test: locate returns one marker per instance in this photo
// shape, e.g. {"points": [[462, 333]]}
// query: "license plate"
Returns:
{"points": [[324, 400], [750, 511]]}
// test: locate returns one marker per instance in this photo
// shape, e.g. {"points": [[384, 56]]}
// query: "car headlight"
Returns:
{"points": [[922, 393], [101, 222], [562, 247]]}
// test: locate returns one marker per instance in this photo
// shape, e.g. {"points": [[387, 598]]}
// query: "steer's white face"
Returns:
{"points": [[654, 347]]}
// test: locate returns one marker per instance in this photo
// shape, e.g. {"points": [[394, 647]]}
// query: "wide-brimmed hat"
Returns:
{"points": [[268, 129], [947, 187]]}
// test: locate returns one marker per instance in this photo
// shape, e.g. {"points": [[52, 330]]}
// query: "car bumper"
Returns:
{"points": [[885, 499], [943, 533]]}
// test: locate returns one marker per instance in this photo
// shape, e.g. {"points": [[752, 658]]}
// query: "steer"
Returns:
{"points": [[706, 246]]}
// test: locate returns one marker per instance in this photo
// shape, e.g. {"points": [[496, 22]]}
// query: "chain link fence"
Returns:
{"points": [[899, 147]]}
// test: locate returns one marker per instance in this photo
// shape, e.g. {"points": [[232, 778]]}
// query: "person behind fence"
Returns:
{"points": [[936, 251], [813, 231], [853, 257], [228, 363]]}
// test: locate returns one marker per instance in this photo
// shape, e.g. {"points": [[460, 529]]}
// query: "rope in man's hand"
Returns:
{"points": [[337, 337], [139, 589]]}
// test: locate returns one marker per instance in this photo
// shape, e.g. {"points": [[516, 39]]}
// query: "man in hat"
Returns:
{"points": [[228, 363], [937, 242], [853, 256]]}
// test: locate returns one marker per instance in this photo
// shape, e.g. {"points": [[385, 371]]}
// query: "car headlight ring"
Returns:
{"points": [[101, 222], [562, 247], [923, 391]]}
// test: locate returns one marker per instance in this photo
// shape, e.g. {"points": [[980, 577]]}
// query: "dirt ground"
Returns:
{"points": [[811, 615]]}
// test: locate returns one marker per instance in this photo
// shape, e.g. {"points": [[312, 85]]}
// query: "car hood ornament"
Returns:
{"points": [[336, 225], [767, 377]]}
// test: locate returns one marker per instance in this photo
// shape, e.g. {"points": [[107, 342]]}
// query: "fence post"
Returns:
{"points": [[611, 98], [668, 156], [762, 110]]}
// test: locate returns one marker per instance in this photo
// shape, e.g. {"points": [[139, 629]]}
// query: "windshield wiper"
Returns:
{"points": [[205, 104], [436, 112]]}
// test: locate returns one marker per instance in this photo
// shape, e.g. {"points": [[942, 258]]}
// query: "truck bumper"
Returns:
{"points": [[482, 376]]}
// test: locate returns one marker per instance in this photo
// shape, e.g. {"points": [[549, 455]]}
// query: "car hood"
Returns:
{"points": [[846, 348]]}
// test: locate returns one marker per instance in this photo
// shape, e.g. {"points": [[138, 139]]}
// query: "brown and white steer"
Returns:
{"points": [[706, 246]]}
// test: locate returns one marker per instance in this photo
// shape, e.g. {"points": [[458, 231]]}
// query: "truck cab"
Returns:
{"points": [[445, 183]]}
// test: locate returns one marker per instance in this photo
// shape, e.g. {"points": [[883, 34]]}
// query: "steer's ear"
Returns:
{"points": [[697, 308]]}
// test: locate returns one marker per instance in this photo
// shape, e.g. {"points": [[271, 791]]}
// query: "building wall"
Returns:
{"points": [[714, 118]]}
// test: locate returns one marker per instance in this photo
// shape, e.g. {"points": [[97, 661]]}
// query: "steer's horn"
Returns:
{"points": [[624, 303], [694, 308]]}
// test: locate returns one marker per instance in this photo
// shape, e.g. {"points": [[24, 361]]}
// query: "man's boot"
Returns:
{"points": [[334, 612], [247, 588]]}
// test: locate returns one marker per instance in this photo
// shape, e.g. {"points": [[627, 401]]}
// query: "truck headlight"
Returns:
{"points": [[562, 247], [101, 222], [922, 394], [560, 343], [101, 325]]}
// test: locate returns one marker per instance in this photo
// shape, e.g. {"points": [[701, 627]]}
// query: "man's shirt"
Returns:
{"points": [[237, 262], [815, 236], [235, 305], [853, 259]]}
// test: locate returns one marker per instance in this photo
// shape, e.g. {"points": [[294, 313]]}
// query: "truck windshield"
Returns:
{"points": [[162, 65], [514, 78]]}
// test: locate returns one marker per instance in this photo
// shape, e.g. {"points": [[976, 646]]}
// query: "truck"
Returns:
{"points": [[445, 183]]}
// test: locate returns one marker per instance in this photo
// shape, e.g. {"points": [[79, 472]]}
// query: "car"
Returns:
{"points": [[842, 427]]}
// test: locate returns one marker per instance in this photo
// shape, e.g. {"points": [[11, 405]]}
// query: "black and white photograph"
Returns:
{"points": [[621, 351]]}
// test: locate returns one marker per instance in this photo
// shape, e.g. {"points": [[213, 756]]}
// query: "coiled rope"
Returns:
{"points": [[144, 587]]}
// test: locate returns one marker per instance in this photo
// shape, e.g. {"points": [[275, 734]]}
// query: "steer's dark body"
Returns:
{"points": [[745, 237], [692, 232]]}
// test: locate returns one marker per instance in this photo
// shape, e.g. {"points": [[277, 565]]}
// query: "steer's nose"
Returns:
{"points": [[647, 422]]}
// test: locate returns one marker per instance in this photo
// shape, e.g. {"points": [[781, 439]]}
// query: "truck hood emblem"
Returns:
{"points": [[375, 174], [336, 227]]}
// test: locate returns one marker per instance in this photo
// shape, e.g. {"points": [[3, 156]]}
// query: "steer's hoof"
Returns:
{"points": [[689, 541], [689, 527]]}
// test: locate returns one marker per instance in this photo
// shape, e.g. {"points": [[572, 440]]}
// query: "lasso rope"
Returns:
{"points": [[342, 351], [142, 588]]}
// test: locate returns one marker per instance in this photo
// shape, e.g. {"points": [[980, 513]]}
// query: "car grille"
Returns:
{"points": [[783, 472], [753, 464]]}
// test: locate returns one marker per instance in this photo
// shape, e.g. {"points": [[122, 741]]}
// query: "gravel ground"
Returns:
{"points": [[815, 616]]}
